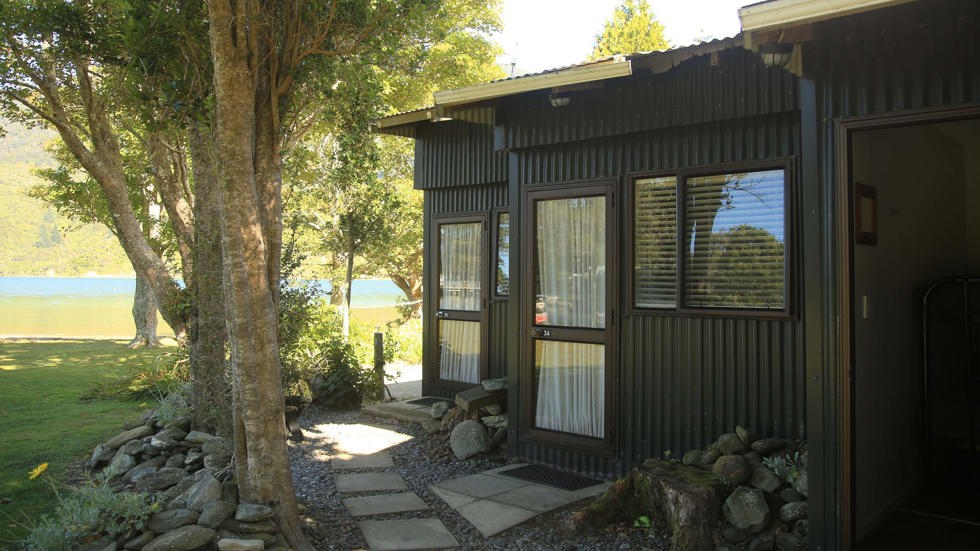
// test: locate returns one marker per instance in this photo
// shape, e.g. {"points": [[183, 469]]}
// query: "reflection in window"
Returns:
{"points": [[734, 241], [459, 266], [503, 254], [655, 242]]}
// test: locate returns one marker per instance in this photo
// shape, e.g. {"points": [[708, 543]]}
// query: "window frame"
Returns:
{"points": [[681, 175]]}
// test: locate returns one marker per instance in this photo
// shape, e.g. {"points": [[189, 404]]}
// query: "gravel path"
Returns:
{"points": [[421, 461]]}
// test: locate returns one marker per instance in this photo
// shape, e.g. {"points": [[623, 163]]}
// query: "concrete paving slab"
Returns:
{"points": [[453, 499], [393, 535], [379, 460], [385, 503], [505, 468], [481, 485], [540, 499], [492, 518], [369, 482]]}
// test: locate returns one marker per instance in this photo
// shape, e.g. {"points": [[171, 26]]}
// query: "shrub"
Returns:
{"points": [[403, 341], [89, 513], [165, 375]]}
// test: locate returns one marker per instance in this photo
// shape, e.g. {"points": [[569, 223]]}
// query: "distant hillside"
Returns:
{"points": [[34, 238]]}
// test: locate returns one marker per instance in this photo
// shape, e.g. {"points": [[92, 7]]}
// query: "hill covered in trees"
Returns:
{"points": [[34, 239]]}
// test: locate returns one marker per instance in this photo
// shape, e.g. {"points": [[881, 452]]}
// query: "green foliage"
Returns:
{"points": [[338, 380], [90, 512], [786, 466], [403, 341], [633, 28], [163, 376]]}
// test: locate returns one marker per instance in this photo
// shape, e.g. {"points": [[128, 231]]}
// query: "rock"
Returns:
{"points": [[753, 457], [229, 544], [268, 539], [172, 433], [215, 513], [494, 384], [121, 463], [746, 509], [789, 495], [746, 436], [206, 491], [764, 479], [730, 444], [495, 421], [101, 456], [789, 541], [133, 447], [499, 438], [162, 443], [140, 541], [793, 511], [693, 458], [233, 525], [252, 512], [181, 487], [193, 457], [802, 527], [733, 469], [140, 472], [217, 445], [229, 492], [439, 409], [176, 460], [800, 483], [493, 409], [162, 479], [478, 397], [171, 520], [768, 446], [184, 424], [184, 538], [763, 542], [732, 534], [198, 437], [137, 433], [469, 438], [201, 473]]}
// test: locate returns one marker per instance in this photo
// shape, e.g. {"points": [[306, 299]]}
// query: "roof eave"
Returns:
{"points": [[781, 13]]}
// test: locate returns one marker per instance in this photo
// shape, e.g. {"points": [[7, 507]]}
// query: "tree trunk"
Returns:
{"points": [[348, 284], [210, 396], [167, 175], [261, 459], [144, 316], [412, 288]]}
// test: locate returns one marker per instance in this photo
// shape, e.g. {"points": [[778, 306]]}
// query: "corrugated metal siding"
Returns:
{"points": [[497, 367], [481, 198], [683, 381], [695, 92], [453, 153]]}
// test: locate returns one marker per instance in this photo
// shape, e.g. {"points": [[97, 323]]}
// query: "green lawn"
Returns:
{"points": [[43, 417]]}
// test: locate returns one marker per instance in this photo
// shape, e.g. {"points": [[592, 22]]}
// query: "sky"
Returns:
{"points": [[547, 34]]}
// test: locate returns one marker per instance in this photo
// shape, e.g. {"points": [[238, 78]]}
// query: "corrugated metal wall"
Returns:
{"points": [[685, 380], [454, 153], [694, 92]]}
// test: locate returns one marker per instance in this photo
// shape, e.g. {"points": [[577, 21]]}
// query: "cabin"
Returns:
{"points": [[779, 230]]}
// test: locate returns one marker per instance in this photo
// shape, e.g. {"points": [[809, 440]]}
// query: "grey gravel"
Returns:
{"points": [[422, 461]]}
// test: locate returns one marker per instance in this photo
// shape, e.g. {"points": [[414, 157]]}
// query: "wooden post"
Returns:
{"points": [[379, 362]]}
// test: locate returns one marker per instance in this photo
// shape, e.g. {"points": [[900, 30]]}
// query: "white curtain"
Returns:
{"points": [[460, 289], [459, 351], [459, 261], [571, 250]]}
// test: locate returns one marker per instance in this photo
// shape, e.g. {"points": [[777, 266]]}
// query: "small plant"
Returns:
{"points": [[668, 455], [786, 467], [87, 514]]}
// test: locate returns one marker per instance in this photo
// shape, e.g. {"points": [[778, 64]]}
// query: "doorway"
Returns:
{"points": [[914, 190], [568, 376]]}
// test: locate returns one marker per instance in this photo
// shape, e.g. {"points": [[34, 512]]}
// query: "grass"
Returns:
{"points": [[43, 417]]}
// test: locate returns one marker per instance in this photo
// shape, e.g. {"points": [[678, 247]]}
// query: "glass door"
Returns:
{"points": [[461, 299], [568, 309]]}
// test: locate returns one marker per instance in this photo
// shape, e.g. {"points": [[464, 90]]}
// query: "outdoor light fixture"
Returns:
{"points": [[776, 54], [558, 101]]}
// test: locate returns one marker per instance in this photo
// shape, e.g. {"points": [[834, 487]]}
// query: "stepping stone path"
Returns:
{"points": [[380, 490]]}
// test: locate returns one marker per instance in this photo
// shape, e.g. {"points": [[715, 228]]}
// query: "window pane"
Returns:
{"points": [[735, 245], [459, 266], [655, 243], [570, 283], [459, 351], [503, 254], [570, 379]]}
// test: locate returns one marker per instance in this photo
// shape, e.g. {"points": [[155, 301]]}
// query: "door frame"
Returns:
{"points": [[843, 363], [432, 371], [608, 445]]}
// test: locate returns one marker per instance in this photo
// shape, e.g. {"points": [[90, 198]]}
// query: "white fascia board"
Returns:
{"points": [[500, 88], [403, 118], [781, 13]]}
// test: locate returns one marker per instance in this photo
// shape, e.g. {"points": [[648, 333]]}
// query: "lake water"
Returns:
{"points": [[100, 307]]}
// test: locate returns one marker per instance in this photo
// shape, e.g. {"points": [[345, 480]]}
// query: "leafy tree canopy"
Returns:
{"points": [[632, 28]]}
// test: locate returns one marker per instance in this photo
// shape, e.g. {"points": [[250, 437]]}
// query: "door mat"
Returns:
{"points": [[428, 401], [551, 477]]}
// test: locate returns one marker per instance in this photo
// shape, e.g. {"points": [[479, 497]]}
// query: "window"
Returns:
{"points": [[502, 274], [732, 227]]}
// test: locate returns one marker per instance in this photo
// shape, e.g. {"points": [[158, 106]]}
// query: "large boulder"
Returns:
{"points": [[206, 491], [215, 513], [469, 438], [733, 469], [171, 520], [162, 479], [764, 479], [746, 509], [137, 433], [731, 444]]}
